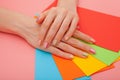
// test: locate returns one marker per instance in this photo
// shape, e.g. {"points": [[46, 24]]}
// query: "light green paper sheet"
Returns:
{"points": [[104, 55]]}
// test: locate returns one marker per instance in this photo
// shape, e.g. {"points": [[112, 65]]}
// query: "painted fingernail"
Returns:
{"points": [[45, 44], [39, 42], [36, 15], [71, 56], [66, 38], [54, 42], [37, 19], [85, 54], [93, 51], [92, 40]]}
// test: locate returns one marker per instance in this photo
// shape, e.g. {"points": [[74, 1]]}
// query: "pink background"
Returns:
{"points": [[17, 57]]}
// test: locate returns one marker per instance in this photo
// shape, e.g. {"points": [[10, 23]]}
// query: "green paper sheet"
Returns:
{"points": [[104, 55]]}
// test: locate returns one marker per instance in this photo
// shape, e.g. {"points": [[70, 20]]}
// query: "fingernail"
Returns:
{"points": [[45, 44], [54, 42], [39, 42], [92, 40], [37, 19], [37, 14], [93, 51], [66, 38], [71, 56], [85, 54]]}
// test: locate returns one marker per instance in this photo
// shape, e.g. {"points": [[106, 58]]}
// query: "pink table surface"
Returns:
{"points": [[17, 58]]}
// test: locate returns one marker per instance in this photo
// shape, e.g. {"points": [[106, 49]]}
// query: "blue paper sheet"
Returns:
{"points": [[84, 78], [45, 67]]}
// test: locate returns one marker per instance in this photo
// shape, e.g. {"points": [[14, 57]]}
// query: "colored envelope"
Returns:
{"points": [[89, 65]]}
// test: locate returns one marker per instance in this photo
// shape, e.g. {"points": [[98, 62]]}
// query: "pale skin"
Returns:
{"points": [[27, 28], [58, 23]]}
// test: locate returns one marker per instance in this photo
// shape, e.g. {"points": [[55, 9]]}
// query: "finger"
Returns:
{"points": [[41, 17], [64, 27], [45, 26], [72, 50], [83, 37], [80, 45], [72, 28], [55, 26], [60, 53]]}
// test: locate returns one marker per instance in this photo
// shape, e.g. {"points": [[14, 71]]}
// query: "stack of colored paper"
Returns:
{"points": [[104, 28]]}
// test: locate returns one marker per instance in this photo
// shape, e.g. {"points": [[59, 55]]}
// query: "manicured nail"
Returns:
{"points": [[66, 38], [71, 56], [39, 42], [54, 42], [93, 51], [37, 14], [85, 54], [92, 40], [37, 19], [45, 44]]}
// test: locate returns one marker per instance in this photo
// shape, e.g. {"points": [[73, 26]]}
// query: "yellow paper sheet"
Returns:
{"points": [[89, 65]]}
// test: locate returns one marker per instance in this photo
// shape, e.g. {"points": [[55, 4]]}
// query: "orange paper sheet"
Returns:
{"points": [[68, 69]]}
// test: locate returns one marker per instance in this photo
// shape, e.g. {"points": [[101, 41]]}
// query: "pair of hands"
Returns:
{"points": [[55, 30], [57, 34], [52, 28]]}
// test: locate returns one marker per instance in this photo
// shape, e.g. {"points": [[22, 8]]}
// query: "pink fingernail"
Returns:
{"points": [[93, 51], [45, 45]]}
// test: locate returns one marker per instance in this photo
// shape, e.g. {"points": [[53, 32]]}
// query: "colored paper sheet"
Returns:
{"points": [[68, 69], [45, 67], [105, 29], [104, 55], [118, 59], [89, 65], [84, 78], [106, 68]]}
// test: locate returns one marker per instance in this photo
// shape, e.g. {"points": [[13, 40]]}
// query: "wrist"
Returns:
{"points": [[68, 4]]}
